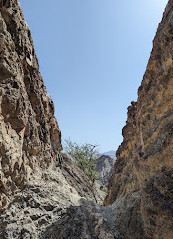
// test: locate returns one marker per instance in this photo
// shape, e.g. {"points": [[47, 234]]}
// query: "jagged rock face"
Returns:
{"points": [[29, 134], [34, 192], [145, 158], [47, 202], [40, 200], [104, 168], [79, 181]]}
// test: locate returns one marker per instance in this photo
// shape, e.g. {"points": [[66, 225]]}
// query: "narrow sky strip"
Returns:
{"points": [[92, 55]]}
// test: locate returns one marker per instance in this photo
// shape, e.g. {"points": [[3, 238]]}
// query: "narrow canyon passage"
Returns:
{"points": [[41, 200]]}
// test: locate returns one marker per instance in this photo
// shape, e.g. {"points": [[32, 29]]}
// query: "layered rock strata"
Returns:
{"points": [[144, 166]]}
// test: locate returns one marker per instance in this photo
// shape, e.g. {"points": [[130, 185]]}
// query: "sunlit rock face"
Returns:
{"points": [[143, 173], [37, 183], [39, 199], [29, 134]]}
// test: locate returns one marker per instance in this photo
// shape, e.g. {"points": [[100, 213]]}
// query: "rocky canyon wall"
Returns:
{"points": [[37, 183], [29, 134], [143, 172], [38, 199]]}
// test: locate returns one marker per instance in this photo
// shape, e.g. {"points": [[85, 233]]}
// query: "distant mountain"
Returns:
{"points": [[110, 153], [104, 168]]}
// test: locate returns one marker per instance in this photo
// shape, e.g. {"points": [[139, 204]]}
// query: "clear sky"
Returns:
{"points": [[92, 55]]}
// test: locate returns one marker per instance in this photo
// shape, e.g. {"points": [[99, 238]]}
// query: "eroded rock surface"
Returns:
{"points": [[36, 182], [42, 203], [29, 134], [42, 198], [104, 168], [145, 158]]}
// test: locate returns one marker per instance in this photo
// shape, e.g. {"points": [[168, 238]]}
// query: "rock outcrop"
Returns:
{"points": [[42, 193], [30, 138], [111, 154], [143, 171], [104, 168], [37, 183], [44, 203]]}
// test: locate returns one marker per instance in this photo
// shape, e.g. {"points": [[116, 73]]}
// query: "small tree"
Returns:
{"points": [[85, 157]]}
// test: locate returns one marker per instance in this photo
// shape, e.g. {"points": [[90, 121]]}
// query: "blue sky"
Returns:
{"points": [[92, 56]]}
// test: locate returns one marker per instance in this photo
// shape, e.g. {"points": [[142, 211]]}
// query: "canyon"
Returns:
{"points": [[42, 193]]}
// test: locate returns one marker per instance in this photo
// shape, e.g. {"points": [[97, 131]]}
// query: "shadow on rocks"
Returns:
{"points": [[80, 222]]}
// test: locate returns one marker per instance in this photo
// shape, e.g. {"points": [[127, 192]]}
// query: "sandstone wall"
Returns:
{"points": [[144, 166], [29, 134]]}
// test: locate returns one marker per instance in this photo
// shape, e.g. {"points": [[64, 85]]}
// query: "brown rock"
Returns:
{"points": [[144, 166], [37, 183], [38, 199], [29, 134]]}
